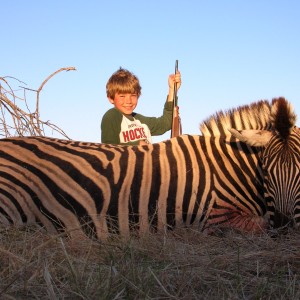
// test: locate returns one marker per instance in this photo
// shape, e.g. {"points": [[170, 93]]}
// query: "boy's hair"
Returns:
{"points": [[122, 81]]}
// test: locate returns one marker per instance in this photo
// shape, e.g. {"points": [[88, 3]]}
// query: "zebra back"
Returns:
{"points": [[203, 180], [95, 189]]}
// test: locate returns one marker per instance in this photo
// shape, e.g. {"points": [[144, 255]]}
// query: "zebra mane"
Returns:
{"points": [[253, 116], [282, 117]]}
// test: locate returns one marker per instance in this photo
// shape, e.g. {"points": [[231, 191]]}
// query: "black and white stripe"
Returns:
{"points": [[280, 162], [94, 189]]}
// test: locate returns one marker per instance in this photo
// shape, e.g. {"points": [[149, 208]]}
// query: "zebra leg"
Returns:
{"points": [[224, 218]]}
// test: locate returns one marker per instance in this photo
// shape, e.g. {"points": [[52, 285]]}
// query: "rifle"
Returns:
{"points": [[176, 122]]}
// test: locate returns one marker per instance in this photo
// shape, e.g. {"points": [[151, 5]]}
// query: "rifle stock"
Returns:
{"points": [[176, 123]]}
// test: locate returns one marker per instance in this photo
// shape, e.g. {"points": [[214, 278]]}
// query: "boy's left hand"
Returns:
{"points": [[174, 78]]}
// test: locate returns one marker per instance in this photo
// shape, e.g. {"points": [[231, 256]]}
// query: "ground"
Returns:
{"points": [[178, 265]]}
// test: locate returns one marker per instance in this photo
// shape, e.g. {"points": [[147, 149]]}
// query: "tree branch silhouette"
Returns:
{"points": [[15, 121]]}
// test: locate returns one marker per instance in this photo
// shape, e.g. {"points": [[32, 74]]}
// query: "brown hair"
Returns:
{"points": [[122, 81]]}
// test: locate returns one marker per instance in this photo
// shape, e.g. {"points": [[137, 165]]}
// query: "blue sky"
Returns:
{"points": [[230, 53]]}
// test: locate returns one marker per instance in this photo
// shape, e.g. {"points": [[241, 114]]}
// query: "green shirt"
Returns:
{"points": [[120, 129]]}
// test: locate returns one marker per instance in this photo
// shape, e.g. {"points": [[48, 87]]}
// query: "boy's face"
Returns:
{"points": [[125, 103]]}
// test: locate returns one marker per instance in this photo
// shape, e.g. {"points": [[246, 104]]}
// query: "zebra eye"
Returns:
{"points": [[265, 172]]}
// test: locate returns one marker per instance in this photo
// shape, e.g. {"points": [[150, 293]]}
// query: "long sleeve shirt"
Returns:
{"points": [[120, 129]]}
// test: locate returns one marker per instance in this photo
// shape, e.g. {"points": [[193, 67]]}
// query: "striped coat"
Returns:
{"points": [[280, 162], [94, 189]]}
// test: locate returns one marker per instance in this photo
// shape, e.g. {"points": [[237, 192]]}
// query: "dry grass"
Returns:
{"points": [[181, 265]]}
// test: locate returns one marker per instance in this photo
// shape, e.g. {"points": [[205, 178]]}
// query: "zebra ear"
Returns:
{"points": [[257, 138]]}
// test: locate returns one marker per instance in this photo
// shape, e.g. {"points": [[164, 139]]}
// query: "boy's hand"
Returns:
{"points": [[174, 78]]}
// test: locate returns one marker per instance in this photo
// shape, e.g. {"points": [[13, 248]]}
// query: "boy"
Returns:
{"points": [[120, 125]]}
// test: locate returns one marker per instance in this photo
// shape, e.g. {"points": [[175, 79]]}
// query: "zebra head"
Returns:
{"points": [[280, 162]]}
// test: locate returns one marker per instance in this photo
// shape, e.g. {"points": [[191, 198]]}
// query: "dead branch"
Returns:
{"points": [[15, 121]]}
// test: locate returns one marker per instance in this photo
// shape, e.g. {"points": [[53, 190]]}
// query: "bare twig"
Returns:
{"points": [[15, 121], [42, 85]]}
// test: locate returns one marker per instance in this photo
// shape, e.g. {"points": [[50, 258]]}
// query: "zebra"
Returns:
{"points": [[92, 189], [280, 162]]}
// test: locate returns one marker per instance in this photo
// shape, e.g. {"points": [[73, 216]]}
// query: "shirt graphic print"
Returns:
{"points": [[134, 131]]}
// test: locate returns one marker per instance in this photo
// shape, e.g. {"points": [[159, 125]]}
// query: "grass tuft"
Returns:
{"points": [[178, 265]]}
